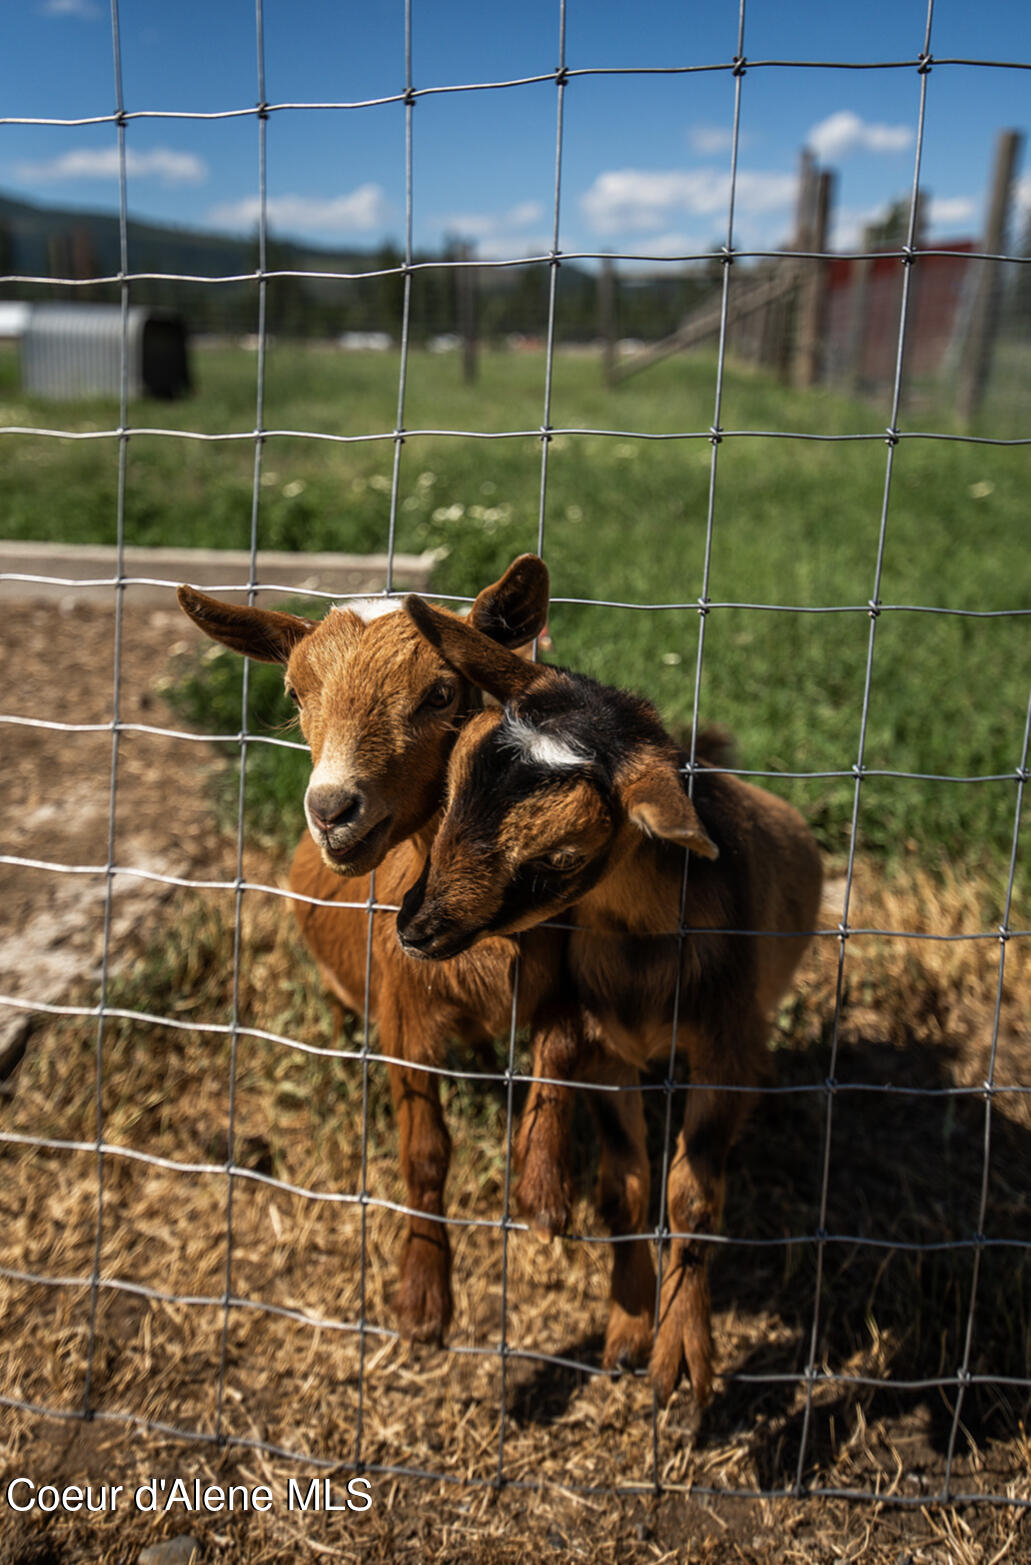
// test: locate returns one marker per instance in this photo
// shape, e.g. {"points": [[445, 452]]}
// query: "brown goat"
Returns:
{"points": [[380, 710], [572, 797]]}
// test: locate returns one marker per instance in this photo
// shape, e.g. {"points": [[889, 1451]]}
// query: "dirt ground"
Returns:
{"points": [[58, 661], [587, 1472]]}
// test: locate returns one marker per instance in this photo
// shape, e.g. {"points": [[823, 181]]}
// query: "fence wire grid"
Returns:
{"points": [[953, 1384]]}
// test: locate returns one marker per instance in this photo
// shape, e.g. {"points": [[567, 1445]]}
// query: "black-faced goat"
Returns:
{"points": [[571, 797]]}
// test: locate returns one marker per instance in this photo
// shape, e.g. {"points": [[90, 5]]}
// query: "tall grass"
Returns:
{"points": [[796, 524]]}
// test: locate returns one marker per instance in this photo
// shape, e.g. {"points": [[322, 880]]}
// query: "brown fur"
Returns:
{"points": [[418, 1007], [619, 824], [380, 738], [628, 1010]]}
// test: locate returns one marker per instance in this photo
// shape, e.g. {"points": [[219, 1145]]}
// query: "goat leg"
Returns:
{"points": [[544, 1192], [423, 1303], [684, 1337], [624, 1182], [695, 1189]]}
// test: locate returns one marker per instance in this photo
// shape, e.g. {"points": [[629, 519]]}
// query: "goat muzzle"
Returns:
{"points": [[349, 853], [425, 931], [333, 809]]}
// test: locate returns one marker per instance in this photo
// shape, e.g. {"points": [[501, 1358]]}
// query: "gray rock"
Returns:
{"points": [[174, 1551], [14, 1033]]}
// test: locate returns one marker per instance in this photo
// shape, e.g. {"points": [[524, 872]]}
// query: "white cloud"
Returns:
{"points": [[366, 208], [523, 213], [87, 10], [845, 132], [476, 225], [162, 163], [676, 243], [951, 211], [501, 236], [511, 247], [642, 200], [944, 212], [708, 140], [849, 224]]}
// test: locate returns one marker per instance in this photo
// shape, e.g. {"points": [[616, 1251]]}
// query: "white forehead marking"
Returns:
{"points": [[519, 735], [368, 608]]}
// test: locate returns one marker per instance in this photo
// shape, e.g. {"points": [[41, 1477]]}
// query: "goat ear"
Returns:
{"points": [[264, 634], [515, 609], [657, 805], [470, 653]]}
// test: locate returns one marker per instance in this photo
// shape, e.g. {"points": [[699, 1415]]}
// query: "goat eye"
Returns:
{"points": [[564, 859], [439, 697], [292, 693]]}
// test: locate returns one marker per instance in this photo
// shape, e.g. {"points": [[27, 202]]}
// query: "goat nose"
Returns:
{"points": [[414, 900], [331, 807]]}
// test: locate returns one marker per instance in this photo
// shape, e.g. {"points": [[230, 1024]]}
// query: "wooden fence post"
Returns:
{"points": [[607, 319], [814, 287], [984, 315], [466, 281]]}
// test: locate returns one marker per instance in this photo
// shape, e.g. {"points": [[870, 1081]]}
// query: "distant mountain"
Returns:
{"points": [[94, 238]]}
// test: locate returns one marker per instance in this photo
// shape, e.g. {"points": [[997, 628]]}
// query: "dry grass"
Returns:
{"points": [[905, 1168]]}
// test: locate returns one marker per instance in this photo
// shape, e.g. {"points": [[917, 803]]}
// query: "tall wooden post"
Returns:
{"points": [[466, 281], [780, 326], [805, 201], [984, 314], [809, 349], [917, 324], [607, 318]]}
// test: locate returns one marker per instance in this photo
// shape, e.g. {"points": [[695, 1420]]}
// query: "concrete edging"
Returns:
{"points": [[87, 572]]}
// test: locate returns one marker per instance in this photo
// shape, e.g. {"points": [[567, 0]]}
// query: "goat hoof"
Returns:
{"points": [[427, 1333], [547, 1212], [684, 1337], [628, 1340], [426, 1324], [548, 1225], [678, 1348], [423, 1304]]}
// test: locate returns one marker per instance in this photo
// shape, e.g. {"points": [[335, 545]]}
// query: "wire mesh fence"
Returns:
{"points": [[955, 1380]]}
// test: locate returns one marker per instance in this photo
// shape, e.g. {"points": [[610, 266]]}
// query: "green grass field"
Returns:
{"points": [[796, 523]]}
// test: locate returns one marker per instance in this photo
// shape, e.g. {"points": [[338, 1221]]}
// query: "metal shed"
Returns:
{"points": [[14, 316], [75, 350]]}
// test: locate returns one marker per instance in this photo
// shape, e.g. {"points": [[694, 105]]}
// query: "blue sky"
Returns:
{"points": [[645, 158]]}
